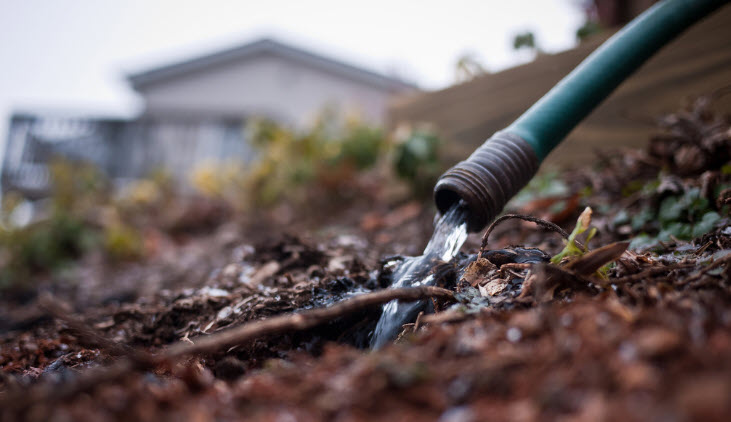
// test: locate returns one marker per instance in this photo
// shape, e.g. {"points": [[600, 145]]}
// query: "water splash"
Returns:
{"points": [[449, 235]]}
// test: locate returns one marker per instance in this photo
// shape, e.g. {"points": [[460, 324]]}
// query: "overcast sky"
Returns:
{"points": [[72, 55]]}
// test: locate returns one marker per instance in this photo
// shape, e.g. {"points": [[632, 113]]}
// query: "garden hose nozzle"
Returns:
{"points": [[505, 163], [486, 181]]}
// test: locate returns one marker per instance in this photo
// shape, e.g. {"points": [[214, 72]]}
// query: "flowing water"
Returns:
{"points": [[449, 235]]}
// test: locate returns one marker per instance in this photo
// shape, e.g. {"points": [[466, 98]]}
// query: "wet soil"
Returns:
{"points": [[649, 338]]}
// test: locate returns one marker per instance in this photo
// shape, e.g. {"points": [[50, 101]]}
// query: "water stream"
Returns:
{"points": [[449, 235]]}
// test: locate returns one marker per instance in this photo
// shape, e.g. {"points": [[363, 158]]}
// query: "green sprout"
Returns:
{"points": [[571, 248]]}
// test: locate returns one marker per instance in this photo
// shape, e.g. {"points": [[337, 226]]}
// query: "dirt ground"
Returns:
{"points": [[205, 332]]}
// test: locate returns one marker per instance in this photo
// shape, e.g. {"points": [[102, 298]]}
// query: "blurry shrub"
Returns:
{"points": [[207, 179], [158, 187], [588, 29], [62, 233], [11, 201], [362, 146], [220, 180], [143, 203], [71, 221], [123, 242], [44, 246], [684, 217], [293, 166], [76, 187], [144, 192], [524, 40], [332, 161], [416, 160]]}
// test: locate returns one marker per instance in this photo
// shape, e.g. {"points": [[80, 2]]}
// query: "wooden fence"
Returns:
{"points": [[698, 62]]}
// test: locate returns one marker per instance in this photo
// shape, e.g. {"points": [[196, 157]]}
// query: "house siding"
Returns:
{"points": [[268, 86]]}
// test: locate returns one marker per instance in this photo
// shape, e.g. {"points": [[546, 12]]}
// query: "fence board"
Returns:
{"points": [[698, 62]]}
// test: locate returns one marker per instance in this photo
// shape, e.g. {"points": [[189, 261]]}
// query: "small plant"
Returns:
{"points": [[361, 147], [295, 165], [588, 29], [43, 246], [683, 217], [122, 242], [571, 248], [416, 161], [78, 216]]}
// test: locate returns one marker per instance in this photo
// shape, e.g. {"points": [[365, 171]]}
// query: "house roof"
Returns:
{"points": [[266, 45]]}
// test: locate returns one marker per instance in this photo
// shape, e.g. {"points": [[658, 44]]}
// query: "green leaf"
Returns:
{"points": [[706, 224], [582, 224], [642, 241], [696, 204], [641, 218], [676, 230], [622, 217], [671, 208]]}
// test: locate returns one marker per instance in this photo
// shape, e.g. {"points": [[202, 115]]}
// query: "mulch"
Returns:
{"points": [[512, 339]]}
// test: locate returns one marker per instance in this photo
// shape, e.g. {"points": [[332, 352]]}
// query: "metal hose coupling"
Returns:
{"points": [[486, 181]]}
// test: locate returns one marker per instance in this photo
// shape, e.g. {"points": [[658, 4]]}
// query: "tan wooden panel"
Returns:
{"points": [[696, 63]]}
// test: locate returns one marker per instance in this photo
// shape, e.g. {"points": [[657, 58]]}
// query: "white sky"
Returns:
{"points": [[72, 55]]}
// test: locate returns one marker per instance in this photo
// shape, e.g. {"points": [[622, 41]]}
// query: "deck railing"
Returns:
{"points": [[122, 149]]}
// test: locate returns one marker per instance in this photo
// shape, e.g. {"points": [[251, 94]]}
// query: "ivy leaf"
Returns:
{"points": [[676, 230], [641, 218], [706, 224], [642, 241], [622, 217], [671, 209]]}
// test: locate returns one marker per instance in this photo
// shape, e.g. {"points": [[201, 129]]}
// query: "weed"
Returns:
{"points": [[571, 248], [416, 160], [678, 217]]}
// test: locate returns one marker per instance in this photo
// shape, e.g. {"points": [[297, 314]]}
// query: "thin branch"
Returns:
{"points": [[540, 222], [88, 336], [650, 272], [303, 320], [140, 360]]}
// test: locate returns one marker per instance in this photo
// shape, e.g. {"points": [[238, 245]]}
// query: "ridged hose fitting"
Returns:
{"points": [[486, 181]]}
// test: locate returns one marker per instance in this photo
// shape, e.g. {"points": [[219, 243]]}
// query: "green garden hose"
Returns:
{"points": [[505, 163]]}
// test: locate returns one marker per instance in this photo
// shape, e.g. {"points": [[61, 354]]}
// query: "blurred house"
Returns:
{"points": [[195, 111]]}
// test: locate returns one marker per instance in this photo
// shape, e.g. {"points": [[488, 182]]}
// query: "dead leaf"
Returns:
{"points": [[478, 271], [493, 287], [265, 271], [592, 261]]}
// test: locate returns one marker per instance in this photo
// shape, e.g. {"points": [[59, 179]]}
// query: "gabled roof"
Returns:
{"points": [[266, 45]]}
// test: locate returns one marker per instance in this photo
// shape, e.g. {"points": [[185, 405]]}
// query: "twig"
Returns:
{"points": [[703, 248], [651, 272], [716, 263], [513, 267], [417, 324], [140, 360], [303, 320], [446, 317], [89, 337], [540, 222]]}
